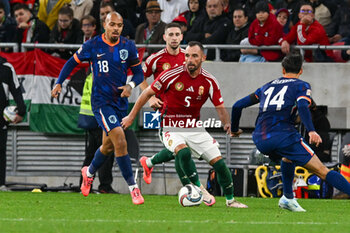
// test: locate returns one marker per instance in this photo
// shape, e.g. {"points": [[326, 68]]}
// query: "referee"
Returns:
{"points": [[8, 84]]}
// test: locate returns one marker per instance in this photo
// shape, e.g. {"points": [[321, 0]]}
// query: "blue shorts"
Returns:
{"points": [[298, 152], [108, 117]]}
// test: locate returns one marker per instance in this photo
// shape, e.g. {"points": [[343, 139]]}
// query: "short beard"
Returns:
{"points": [[192, 71], [174, 48]]}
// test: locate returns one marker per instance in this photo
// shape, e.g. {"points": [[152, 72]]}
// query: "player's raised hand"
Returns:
{"points": [[56, 90], [236, 134], [126, 122], [154, 102], [126, 90], [314, 138]]}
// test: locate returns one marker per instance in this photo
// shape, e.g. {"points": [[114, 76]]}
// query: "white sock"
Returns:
{"points": [[149, 163], [88, 173], [131, 187]]}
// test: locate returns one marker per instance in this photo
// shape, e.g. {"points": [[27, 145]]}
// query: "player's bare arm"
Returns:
{"points": [[224, 117], [153, 102], [141, 101], [56, 90]]}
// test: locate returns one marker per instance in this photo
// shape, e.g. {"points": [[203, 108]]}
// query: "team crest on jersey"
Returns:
{"points": [[179, 86], [201, 90], [123, 54], [157, 85], [112, 119], [170, 142], [166, 66]]}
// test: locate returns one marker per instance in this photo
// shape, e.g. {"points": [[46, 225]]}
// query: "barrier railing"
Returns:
{"points": [[26, 46], [14, 46]]}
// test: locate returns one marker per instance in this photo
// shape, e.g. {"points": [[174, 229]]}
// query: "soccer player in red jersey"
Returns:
{"points": [[169, 57], [185, 89]]}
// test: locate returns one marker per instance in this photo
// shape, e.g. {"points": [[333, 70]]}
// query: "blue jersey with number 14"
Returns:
{"points": [[278, 106], [109, 63]]}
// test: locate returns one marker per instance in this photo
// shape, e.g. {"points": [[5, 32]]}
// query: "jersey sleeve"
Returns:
{"points": [[304, 92], [257, 93], [133, 58], [215, 93], [147, 66], [160, 84], [84, 52]]}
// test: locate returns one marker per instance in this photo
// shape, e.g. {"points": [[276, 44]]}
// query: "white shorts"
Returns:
{"points": [[201, 143]]}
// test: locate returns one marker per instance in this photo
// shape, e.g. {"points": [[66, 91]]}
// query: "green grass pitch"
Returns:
{"points": [[71, 212]]}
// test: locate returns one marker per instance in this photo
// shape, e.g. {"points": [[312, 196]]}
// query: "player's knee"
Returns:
{"points": [[184, 154], [120, 144], [106, 149], [215, 160]]}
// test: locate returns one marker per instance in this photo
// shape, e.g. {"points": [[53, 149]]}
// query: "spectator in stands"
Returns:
{"points": [[181, 20], [48, 11], [250, 55], [265, 30], [152, 31], [7, 26], [88, 26], [345, 54], [249, 6], [105, 9], [238, 32], [282, 16], [307, 31], [196, 12], [324, 11], [29, 28], [340, 26], [8, 84], [6, 7], [292, 6], [213, 29], [81, 8], [66, 31], [171, 9], [137, 11]]}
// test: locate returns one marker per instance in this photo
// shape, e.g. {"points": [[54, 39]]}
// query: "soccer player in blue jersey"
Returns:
{"points": [[275, 134], [110, 56]]}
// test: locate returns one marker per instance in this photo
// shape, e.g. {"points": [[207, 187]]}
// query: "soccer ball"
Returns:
{"points": [[190, 195], [10, 113]]}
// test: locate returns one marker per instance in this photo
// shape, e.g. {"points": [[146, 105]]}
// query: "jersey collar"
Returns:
{"points": [[110, 44]]}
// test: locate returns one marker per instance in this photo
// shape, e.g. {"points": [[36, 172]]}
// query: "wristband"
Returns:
{"points": [[132, 85]]}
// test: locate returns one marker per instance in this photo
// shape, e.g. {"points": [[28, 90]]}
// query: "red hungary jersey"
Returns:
{"points": [[162, 60], [184, 96]]}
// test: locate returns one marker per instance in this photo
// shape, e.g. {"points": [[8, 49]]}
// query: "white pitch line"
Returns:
{"points": [[164, 221]]}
